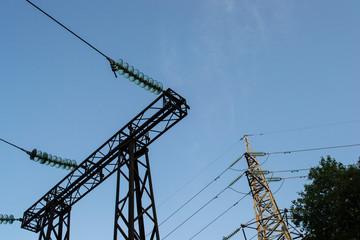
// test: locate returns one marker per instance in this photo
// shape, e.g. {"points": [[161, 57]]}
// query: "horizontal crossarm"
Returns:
{"points": [[163, 113]]}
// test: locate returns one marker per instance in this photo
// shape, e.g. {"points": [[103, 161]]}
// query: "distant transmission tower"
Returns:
{"points": [[269, 220]]}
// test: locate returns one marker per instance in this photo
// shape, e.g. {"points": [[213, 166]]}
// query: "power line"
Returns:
{"points": [[187, 202], [201, 171], [202, 207], [28, 152], [97, 50], [219, 216], [304, 128], [315, 149]]}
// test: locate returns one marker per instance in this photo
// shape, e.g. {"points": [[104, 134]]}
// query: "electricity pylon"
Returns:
{"points": [[125, 153], [270, 222]]}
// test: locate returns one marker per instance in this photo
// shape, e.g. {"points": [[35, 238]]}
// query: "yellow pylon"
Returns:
{"points": [[270, 222]]}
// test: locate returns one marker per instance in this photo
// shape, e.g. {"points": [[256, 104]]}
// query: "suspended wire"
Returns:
{"points": [[199, 173], [219, 216], [315, 149], [97, 50], [265, 160], [237, 191], [294, 177], [15, 146], [283, 180], [202, 207], [238, 170], [187, 202], [292, 170], [304, 128]]}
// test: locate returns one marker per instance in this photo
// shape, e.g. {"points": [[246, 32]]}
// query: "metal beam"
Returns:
{"points": [[163, 113]]}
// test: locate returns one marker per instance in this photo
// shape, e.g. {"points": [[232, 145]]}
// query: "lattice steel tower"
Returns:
{"points": [[269, 220], [125, 153]]}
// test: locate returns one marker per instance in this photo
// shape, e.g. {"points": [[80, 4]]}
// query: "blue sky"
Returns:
{"points": [[243, 66]]}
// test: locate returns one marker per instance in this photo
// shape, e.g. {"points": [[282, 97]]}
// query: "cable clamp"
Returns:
{"points": [[113, 66]]}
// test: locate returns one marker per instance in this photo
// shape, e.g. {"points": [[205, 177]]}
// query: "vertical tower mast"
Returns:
{"points": [[270, 222]]}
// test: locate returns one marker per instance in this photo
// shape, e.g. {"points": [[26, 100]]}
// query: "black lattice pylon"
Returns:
{"points": [[135, 210], [56, 228]]}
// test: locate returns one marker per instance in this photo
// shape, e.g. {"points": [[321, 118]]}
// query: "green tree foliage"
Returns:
{"points": [[329, 207]]}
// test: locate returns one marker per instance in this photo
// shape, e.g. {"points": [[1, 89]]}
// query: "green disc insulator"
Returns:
{"points": [[137, 81], [52, 163], [120, 71], [11, 219], [1, 218], [39, 153], [5, 219], [47, 162], [154, 87], [66, 164], [59, 162], [131, 69], [42, 160], [54, 158], [120, 62], [136, 72], [146, 78], [125, 65], [131, 79], [158, 88], [141, 75], [36, 159], [73, 163], [145, 82], [150, 84]]}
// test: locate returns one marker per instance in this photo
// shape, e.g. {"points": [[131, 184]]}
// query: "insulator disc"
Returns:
{"points": [[125, 65], [131, 69], [11, 219], [120, 61], [5, 219], [120, 71]]}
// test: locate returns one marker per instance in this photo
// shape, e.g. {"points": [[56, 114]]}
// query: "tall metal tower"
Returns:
{"points": [[270, 222], [125, 153]]}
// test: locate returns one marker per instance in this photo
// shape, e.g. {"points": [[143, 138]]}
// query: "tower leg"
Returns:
{"points": [[135, 212], [57, 228]]}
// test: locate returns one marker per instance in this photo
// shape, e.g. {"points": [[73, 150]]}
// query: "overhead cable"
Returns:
{"points": [[315, 149], [304, 128], [11, 144], [97, 50], [219, 216], [188, 201], [202, 207], [203, 170]]}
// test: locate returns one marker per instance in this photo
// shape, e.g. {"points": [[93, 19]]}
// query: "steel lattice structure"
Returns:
{"points": [[269, 220], [122, 153]]}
